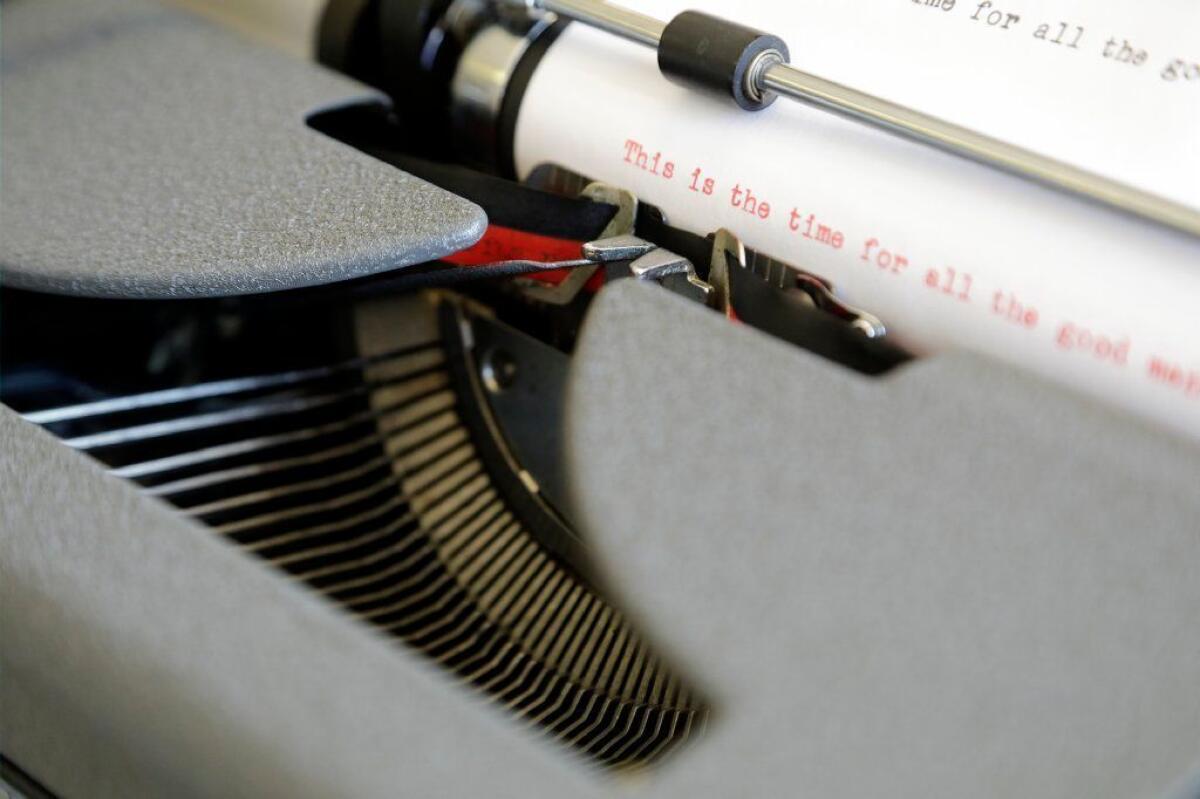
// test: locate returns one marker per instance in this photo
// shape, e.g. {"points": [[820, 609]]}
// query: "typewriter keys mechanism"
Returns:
{"points": [[383, 482]]}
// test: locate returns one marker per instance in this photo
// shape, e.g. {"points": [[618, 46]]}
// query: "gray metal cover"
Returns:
{"points": [[875, 609], [953, 580], [148, 153]]}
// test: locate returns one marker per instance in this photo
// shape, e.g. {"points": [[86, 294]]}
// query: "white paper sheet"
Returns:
{"points": [[949, 253]]}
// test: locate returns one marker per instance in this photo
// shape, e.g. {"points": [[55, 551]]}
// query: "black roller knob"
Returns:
{"points": [[702, 51]]}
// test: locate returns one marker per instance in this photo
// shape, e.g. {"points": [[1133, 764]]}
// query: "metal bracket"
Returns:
{"points": [[621, 224], [728, 250], [822, 296]]}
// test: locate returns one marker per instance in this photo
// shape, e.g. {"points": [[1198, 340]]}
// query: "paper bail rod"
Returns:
{"points": [[751, 67]]}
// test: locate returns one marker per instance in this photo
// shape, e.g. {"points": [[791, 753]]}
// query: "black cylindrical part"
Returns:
{"points": [[702, 51]]}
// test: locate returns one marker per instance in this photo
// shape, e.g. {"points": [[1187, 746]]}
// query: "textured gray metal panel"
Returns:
{"points": [[148, 153], [955, 580], [950, 581], [143, 656]]}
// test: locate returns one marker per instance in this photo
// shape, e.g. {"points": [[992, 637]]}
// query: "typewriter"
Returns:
{"points": [[345, 455]]}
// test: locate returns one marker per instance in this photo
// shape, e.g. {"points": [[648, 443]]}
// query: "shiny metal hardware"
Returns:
{"points": [[755, 86], [725, 246], [498, 370], [773, 74], [617, 248], [480, 82], [648, 261], [623, 22], [728, 248], [621, 224], [925, 129], [659, 264], [822, 296]]}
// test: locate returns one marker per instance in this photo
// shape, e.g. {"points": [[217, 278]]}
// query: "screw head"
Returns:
{"points": [[498, 370]]}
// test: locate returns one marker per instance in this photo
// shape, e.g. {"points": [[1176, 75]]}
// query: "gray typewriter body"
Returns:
{"points": [[725, 565]]}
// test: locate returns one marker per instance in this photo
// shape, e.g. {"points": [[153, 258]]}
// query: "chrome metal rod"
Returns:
{"points": [[787, 81], [790, 82], [623, 22]]}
